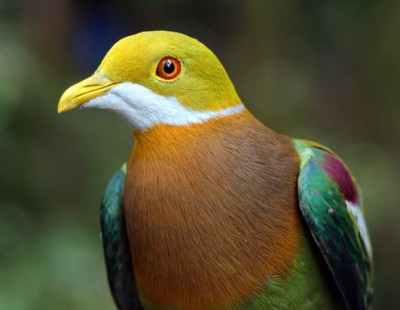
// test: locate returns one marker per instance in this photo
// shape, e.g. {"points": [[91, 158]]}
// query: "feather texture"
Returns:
{"points": [[327, 197], [116, 244], [211, 211], [208, 216]]}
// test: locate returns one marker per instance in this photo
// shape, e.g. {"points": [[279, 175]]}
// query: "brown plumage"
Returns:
{"points": [[190, 254], [211, 210]]}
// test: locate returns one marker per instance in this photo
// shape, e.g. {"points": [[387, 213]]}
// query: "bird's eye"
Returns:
{"points": [[168, 68]]}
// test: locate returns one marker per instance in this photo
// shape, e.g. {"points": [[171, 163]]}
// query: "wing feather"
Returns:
{"points": [[330, 204], [116, 244]]}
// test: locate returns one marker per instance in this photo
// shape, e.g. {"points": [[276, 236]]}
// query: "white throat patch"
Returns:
{"points": [[143, 108]]}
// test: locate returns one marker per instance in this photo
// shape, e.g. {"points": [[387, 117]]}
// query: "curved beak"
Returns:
{"points": [[82, 92]]}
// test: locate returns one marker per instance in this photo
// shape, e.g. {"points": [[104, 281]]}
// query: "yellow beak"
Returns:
{"points": [[83, 91]]}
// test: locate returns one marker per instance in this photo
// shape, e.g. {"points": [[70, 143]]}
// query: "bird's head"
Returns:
{"points": [[157, 77]]}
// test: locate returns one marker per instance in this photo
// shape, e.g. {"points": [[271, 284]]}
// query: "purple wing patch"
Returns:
{"points": [[338, 172]]}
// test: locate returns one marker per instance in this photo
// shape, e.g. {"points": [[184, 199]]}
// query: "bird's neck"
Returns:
{"points": [[206, 208], [168, 139]]}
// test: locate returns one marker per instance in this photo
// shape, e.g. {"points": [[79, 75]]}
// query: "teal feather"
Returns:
{"points": [[329, 202], [116, 244]]}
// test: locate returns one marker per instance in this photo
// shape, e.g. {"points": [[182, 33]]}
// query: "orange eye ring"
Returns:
{"points": [[168, 68]]}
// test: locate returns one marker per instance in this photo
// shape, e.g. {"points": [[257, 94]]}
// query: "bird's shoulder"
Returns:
{"points": [[330, 202], [116, 244]]}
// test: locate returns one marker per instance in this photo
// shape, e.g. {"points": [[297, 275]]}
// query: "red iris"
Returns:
{"points": [[168, 68]]}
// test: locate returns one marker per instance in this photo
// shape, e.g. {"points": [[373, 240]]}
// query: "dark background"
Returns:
{"points": [[323, 70]]}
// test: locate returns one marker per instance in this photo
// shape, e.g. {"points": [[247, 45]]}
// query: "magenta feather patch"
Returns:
{"points": [[338, 172]]}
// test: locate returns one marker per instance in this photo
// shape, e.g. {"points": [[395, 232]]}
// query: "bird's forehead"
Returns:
{"points": [[150, 45]]}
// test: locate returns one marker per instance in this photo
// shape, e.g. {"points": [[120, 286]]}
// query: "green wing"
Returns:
{"points": [[116, 244], [330, 204]]}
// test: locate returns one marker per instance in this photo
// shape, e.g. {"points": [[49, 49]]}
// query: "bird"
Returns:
{"points": [[213, 209]]}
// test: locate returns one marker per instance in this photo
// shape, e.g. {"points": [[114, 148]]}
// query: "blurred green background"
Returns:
{"points": [[323, 70]]}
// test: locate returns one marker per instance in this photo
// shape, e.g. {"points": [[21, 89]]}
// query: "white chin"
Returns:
{"points": [[142, 108]]}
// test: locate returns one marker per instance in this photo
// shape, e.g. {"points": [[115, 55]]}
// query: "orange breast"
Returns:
{"points": [[211, 211]]}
